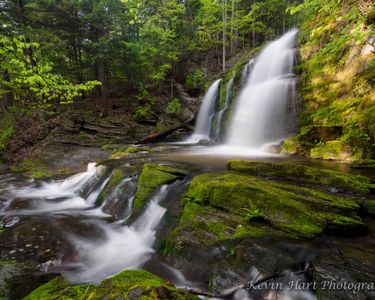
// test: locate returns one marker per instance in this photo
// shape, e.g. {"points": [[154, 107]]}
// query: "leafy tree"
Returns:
{"points": [[31, 82]]}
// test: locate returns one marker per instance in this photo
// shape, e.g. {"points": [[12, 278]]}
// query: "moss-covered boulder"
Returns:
{"points": [[114, 181], [290, 146], [331, 150], [131, 284], [152, 177], [296, 210], [207, 225], [298, 173]]}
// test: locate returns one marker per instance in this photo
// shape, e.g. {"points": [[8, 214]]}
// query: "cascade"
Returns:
{"points": [[205, 114], [263, 113], [246, 71], [220, 114]]}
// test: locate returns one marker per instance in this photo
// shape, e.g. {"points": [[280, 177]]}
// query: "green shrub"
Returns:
{"points": [[173, 107], [142, 112], [196, 81]]}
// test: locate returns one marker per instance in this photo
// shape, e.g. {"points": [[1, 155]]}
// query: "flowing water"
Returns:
{"points": [[261, 114], [205, 115], [220, 115], [70, 228]]}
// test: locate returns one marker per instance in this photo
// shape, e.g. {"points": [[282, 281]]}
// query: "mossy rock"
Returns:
{"points": [[152, 177], [320, 178], [290, 146], [114, 181], [208, 225], [296, 210], [125, 151], [131, 284], [331, 150]]}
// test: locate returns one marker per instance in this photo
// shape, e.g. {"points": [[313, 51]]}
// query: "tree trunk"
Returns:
{"points": [[102, 76], [232, 42], [8, 96], [253, 33], [224, 11]]}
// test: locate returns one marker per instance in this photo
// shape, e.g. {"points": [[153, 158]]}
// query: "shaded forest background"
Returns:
{"points": [[97, 59]]}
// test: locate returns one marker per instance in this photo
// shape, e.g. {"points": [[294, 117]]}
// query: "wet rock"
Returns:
{"points": [[296, 210], [273, 149], [152, 177], [297, 173]]}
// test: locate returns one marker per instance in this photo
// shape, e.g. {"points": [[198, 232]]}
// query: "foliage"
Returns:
{"points": [[196, 80], [142, 112], [337, 73], [32, 82], [6, 130], [173, 107]]}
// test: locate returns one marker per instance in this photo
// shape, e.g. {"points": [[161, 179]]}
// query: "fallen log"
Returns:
{"points": [[154, 137]]}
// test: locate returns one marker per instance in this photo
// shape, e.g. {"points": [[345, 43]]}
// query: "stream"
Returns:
{"points": [[59, 224]]}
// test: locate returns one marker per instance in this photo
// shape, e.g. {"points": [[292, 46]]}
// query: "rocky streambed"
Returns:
{"points": [[149, 222]]}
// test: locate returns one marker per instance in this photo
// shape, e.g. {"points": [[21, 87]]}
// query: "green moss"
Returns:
{"points": [[125, 151], [8, 262], [321, 178], [336, 74], [334, 150], [113, 182], [290, 146], [131, 284], [298, 211], [207, 225], [33, 168], [152, 177]]}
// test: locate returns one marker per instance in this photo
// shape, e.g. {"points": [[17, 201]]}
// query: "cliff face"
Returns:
{"points": [[337, 79]]}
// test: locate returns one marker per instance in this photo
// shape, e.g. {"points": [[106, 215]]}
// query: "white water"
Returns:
{"points": [[262, 113], [205, 115], [125, 247], [55, 196], [246, 71], [220, 114]]}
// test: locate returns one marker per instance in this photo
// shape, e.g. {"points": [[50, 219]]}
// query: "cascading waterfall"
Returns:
{"points": [[220, 114], [262, 113], [125, 247], [246, 71], [205, 115]]}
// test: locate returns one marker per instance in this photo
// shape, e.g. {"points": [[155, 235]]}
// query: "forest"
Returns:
{"points": [[176, 149]]}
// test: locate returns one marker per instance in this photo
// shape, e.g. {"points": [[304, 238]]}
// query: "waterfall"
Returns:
{"points": [[125, 247], [246, 71], [220, 114], [205, 115], [262, 113]]}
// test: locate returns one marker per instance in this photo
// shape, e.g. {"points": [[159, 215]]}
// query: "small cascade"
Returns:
{"points": [[76, 192], [221, 113], [246, 71], [205, 115], [119, 203], [125, 247], [264, 112]]}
